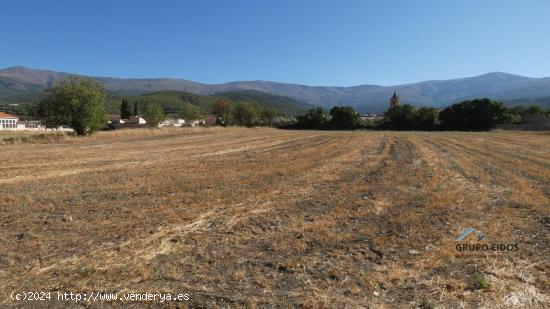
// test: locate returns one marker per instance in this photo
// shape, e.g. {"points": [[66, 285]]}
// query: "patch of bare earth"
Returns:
{"points": [[262, 217]]}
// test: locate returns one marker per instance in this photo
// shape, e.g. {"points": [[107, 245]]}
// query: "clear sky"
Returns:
{"points": [[338, 43]]}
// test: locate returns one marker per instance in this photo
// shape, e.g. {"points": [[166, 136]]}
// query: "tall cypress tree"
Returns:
{"points": [[136, 108], [125, 110]]}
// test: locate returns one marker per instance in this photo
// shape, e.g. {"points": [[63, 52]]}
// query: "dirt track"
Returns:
{"points": [[251, 217]]}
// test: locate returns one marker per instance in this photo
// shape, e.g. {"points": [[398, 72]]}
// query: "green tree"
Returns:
{"points": [[511, 118], [344, 118], [154, 114], [125, 110], [400, 117], [535, 110], [268, 115], [30, 111], [475, 115], [221, 108], [426, 119], [315, 119], [136, 108], [77, 102], [517, 113], [245, 114], [191, 112]]}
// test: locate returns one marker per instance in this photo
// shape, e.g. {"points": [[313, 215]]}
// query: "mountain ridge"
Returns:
{"points": [[19, 84]]}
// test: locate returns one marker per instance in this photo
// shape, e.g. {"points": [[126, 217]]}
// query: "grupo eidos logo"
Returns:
{"points": [[480, 242]]}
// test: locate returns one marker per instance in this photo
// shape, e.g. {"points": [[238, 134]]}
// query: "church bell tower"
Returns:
{"points": [[394, 100]]}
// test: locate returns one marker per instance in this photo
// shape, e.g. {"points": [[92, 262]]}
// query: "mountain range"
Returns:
{"points": [[21, 84]]}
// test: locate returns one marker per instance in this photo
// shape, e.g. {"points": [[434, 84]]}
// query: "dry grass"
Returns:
{"points": [[258, 217]]}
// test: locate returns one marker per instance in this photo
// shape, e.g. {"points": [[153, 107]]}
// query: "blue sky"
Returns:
{"points": [[338, 43]]}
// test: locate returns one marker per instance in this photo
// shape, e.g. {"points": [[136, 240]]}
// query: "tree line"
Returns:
{"points": [[247, 114], [80, 103], [471, 115], [339, 118]]}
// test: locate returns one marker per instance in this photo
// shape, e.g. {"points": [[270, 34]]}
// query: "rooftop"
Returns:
{"points": [[6, 115]]}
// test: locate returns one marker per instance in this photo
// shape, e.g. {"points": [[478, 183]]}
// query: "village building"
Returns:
{"points": [[172, 123], [210, 120], [132, 122], [31, 125], [195, 123], [8, 121], [12, 123], [371, 117]]}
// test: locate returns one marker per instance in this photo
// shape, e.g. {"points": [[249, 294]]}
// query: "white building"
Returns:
{"points": [[172, 123], [12, 123], [133, 120], [8, 122], [31, 125], [371, 116]]}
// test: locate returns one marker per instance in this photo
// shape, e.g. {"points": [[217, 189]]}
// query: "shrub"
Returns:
{"points": [[426, 119], [400, 117], [190, 112], [479, 282], [315, 119], [476, 115], [344, 118], [154, 114], [245, 114], [425, 304]]}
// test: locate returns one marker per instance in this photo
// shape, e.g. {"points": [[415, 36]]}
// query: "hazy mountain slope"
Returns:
{"points": [[172, 101], [23, 80], [139, 86], [16, 91], [283, 104], [437, 93], [20, 84]]}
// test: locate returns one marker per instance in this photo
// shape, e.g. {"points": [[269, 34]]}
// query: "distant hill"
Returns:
{"points": [[172, 101], [283, 104], [20, 84]]}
